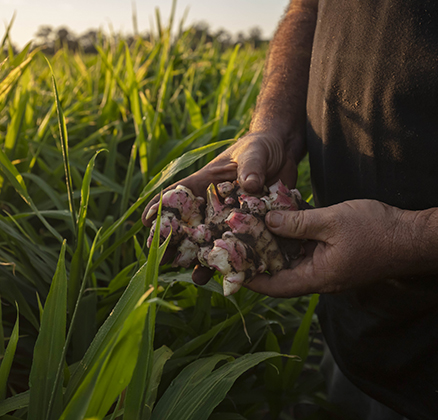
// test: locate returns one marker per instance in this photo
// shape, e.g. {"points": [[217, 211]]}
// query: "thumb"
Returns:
{"points": [[251, 169], [301, 224]]}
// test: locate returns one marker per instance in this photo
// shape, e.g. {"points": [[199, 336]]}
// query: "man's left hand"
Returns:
{"points": [[350, 245]]}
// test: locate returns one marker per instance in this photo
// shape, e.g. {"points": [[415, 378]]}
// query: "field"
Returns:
{"points": [[92, 327]]}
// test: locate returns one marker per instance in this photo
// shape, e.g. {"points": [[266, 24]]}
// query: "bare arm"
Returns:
{"points": [[276, 141], [281, 105]]}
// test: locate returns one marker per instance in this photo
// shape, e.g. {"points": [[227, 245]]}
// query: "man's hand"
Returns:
{"points": [[352, 244], [255, 160]]}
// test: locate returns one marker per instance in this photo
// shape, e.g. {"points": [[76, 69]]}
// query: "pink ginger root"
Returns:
{"points": [[233, 238], [255, 233], [235, 260]]}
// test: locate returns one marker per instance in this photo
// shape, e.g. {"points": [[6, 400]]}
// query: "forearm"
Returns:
{"points": [[281, 105]]}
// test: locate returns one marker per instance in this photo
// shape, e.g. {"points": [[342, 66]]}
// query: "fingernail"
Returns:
{"points": [[151, 212], [252, 178], [275, 219]]}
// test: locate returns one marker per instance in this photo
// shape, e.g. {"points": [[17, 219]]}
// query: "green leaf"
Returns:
{"points": [[16, 402], [72, 324], [77, 263], [17, 182], [109, 329], [77, 407], [198, 389], [16, 124], [120, 365], [8, 83], [164, 176], [224, 94], [204, 338], [273, 372], [136, 395], [194, 111], [64, 147], [49, 347], [161, 356], [300, 346], [8, 358]]}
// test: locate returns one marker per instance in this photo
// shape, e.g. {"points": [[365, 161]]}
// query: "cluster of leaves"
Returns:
{"points": [[92, 327]]}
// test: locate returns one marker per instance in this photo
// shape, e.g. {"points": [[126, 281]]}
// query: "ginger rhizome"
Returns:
{"points": [[230, 235]]}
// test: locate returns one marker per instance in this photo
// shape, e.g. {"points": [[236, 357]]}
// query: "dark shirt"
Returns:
{"points": [[373, 133]]}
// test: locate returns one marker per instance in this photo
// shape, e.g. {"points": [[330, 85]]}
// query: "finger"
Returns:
{"points": [[201, 274], [286, 283], [251, 169], [314, 224], [149, 213]]}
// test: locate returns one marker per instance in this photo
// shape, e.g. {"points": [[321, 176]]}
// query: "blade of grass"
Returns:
{"points": [[300, 346], [17, 182], [223, 94], [16, 402], [49, 348], [72, 323], [77, 260], [121, 363], [64, 147], [197, 390], [10, 81], [164, 176], [161, 356], [109, 329], [136, 395], [8, 358], [16, 124]]}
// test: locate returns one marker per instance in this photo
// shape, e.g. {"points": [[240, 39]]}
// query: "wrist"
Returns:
{"points": [[415, 243]]}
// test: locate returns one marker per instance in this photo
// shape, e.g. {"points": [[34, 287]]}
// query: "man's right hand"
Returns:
{"points": [[255, 160]]}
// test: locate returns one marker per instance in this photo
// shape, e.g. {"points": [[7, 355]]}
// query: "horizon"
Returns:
{"points": [[116, 16]]}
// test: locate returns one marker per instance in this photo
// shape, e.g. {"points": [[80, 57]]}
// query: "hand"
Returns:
{"points": [[352, 244], [255, 160]]}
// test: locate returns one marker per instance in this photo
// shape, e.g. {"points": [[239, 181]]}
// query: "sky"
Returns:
{"points": [[80, 15]]}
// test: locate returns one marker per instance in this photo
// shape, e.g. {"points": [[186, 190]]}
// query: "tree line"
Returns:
{"points": [[52, 39]]}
